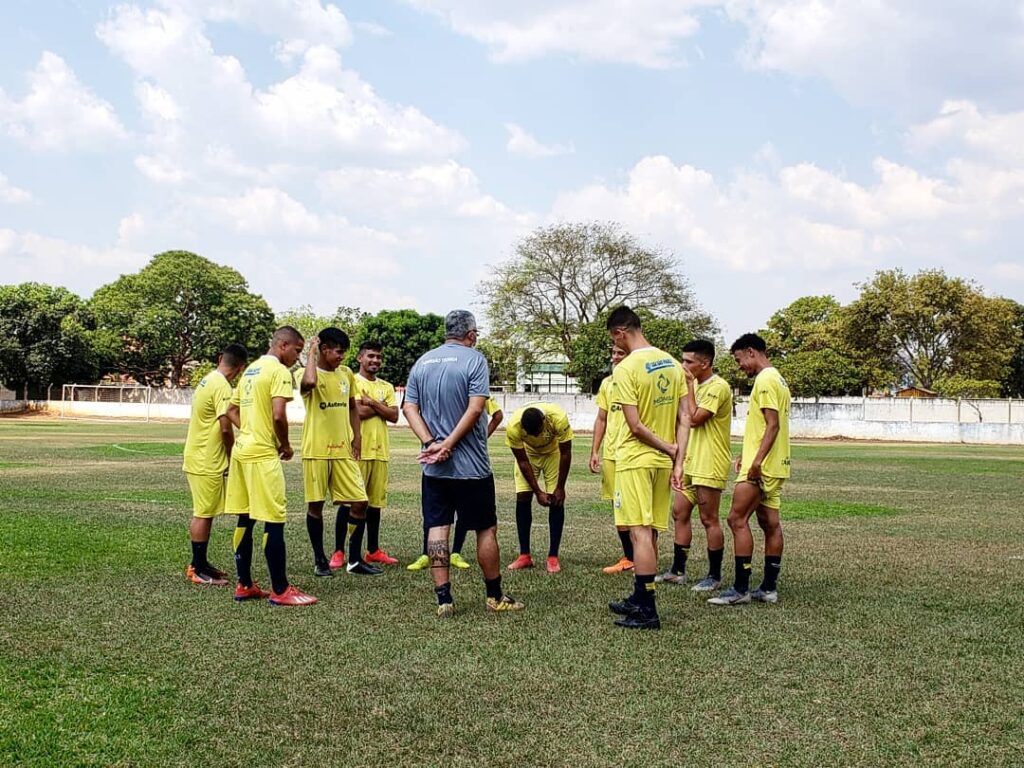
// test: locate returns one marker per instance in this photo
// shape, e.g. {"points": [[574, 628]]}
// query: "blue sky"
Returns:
{"points": [[384, 154]]}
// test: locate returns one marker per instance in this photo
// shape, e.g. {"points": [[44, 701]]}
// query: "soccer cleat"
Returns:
{"points": [[205, 578], [380, 556], [338, 560], [730, 597], [291, 596], [624, 564], [707, 584], [249, 593], [418, 564], [641, 620], [624, 607], [323, 568], [523, 561], [504, 603], [363, 569], [445, 610], [671, 577], [553, 565], [765, 596], [458, 561]]}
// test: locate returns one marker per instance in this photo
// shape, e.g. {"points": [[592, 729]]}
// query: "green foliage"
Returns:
{"points": [[504, 357], [45, 338], [957, 387], [405, 333], [179, 309], [1013, 382], [307, 322], [198, 372]]}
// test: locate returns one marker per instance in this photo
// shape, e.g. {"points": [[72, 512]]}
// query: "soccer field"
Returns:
{"points": [[899, 638]]}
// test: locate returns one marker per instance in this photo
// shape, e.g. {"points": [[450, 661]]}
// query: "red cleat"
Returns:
{"points": [[205, 578], [624, 564], [338, 560], [523, 561], [250, 593], [381, 557], [291, 596], [553, 565]]}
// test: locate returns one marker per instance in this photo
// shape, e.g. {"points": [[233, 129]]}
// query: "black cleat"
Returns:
{"points": [[624, 607], [323, 569], [640, 620], [363, 569]]}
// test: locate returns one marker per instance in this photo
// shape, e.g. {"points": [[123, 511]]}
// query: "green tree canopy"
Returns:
{"points": [[405, 333], [1012, 384], [180, 309], [309, 323]]}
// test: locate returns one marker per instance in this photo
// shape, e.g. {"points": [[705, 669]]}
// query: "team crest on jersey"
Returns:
{"points": [[662, 383]]}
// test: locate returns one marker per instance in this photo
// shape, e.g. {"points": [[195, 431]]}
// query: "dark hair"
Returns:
{"points": [[533, 421], [287, 333], [371, 344], [749, 341], [701, 347], [334, 337], [234, 355], [623, 317]]}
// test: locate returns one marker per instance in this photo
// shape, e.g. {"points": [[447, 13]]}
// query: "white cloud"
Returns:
{"points": [[373, 29], [29, 256], [308, 20], [160, 169], [522, 143], [12, 194], [58, 112]]}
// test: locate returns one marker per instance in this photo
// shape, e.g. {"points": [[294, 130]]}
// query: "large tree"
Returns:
{"points": [[927, 327], [405, 333], [179, 310], [1012, 384], [567, 275], [308, 322], [45, 338]]}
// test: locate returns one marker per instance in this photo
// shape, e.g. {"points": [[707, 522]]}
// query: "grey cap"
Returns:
{"points": [[458, 323]]}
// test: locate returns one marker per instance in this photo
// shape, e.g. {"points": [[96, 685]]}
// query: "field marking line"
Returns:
{"points": [[130, 450]]}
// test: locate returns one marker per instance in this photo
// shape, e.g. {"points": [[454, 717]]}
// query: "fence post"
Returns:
{"points": [[911, 409]]}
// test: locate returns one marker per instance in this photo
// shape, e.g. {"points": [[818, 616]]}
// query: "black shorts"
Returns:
{"points": [[473, 500]]}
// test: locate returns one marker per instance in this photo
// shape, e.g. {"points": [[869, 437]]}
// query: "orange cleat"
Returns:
{"points": [[523, 561], [624, 564], [338, 560], [381, 557], [250, 593], [291, 596], [204, 578], [553, 565]]}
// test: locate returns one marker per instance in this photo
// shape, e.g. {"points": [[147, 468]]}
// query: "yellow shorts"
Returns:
{"points": [[771, 489], [375, 480], [608, 479], [207, 494], [545, 468], [256, 488], [691, 482], [338, 478], [643, 497]]}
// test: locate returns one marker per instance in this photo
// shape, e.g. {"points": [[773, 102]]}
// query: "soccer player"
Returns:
{"points": [[541, 441], [376, 407], [494, 414], [649, 386], [762, 471], [708, 459], [444, 405], [607, 429], [331, 444], [207, 451], [256, 478]]}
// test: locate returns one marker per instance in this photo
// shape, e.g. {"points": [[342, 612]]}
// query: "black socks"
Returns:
{"points": [[715, 563], [243, 550], [556, 522], [372, 529], [742, 573], [772, 566], [627, 544], [524, 521], [681, 553], [273, 549], [315, 528]]}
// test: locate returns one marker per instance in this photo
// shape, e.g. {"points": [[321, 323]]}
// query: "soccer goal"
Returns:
{"points": [[106, 402]]}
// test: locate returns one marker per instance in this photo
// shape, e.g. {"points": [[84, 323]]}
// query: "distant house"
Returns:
{"points": [[547, 376], [915, 392]]}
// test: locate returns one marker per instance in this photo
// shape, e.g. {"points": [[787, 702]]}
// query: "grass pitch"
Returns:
{"points": [[899, 638]]}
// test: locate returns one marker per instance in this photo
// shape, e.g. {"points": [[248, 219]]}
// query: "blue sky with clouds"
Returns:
{"points": [[383, 154]]}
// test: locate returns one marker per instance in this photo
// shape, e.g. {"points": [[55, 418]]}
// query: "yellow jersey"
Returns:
{"points": [[204, 448], [770, 391], [651, 380], [376, 442], [556, 430], [492, 406], [262, 381], [708, 454], [615, 424], [327, 429]]}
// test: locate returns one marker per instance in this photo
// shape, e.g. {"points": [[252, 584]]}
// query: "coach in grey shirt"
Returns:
{"points": [[444, 405]]}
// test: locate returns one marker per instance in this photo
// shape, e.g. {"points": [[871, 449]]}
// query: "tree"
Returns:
{"points": [[504, 359], [307, 322], [920, 329], [1012, 384], [180, 309], [565, 276], [405, 334], [960, 387], [45, 338]]}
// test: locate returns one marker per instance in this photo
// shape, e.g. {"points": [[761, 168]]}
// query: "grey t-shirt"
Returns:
{"points": [[441, 383]]}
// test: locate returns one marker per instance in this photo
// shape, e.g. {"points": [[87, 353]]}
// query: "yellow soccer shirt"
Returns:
{"points": [[492, 406], [770, 391], [204, 448], [327, 430], [262, 381], [556, 430], [708, 453], [376, 442], [615, 424], [651, 380]]}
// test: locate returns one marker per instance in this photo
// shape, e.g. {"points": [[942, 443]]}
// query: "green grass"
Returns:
{"points": [[898, 640]]}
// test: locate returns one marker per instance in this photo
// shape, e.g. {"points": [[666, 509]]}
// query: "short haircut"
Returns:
{"points": [[334, 337], [623, 317], [458, 323], [701, 347], [371, 344], [286, 334], [234, 355], [533, 421], [749, 341]]}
